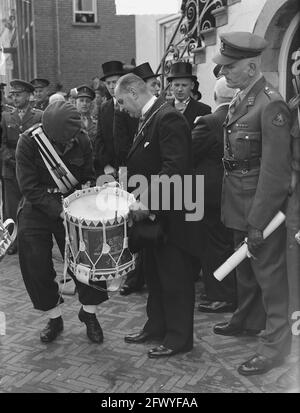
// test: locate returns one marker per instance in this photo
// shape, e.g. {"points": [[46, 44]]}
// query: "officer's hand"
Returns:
{"points": [[255, 240], [137, 212], [62, 215]]}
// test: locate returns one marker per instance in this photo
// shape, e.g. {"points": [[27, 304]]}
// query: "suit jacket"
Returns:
{"points": [[114, 137], [163, 147], [104, 143], [208, 149], [195, 109], [259, 128], [12, 127]]}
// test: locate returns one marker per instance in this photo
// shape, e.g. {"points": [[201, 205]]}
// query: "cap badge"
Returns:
{"points": [[222, 48]]}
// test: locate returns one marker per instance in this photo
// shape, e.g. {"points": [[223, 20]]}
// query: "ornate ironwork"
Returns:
{"points": [[196, 18]]}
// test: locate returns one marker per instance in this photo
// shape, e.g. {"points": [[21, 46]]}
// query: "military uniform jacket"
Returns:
{"points": [[258, 129], [34, 178], [12, 127], [41, 105], [163, 147]]}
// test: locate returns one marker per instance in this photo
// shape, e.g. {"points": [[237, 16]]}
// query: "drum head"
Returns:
{"points": [[98, 204]]}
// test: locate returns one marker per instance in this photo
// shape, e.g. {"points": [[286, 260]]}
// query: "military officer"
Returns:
{"points": [[257, 162], [84, 98], [41, 93], [14, 123]]}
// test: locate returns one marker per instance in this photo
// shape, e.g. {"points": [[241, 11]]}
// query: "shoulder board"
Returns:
{"points": [[271, 93]]}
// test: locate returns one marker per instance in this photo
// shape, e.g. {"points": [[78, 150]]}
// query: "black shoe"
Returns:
{"points": [[216, 307], [226, 329], [13, 249], [52, 330], [139, 337], [126, 290], [93, 328], [258, 364]]}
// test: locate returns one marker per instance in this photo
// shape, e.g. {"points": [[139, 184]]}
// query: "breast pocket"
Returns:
{"points": [[248, 145]]}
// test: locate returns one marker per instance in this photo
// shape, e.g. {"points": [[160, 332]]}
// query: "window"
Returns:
{"points": [[85, 11]]}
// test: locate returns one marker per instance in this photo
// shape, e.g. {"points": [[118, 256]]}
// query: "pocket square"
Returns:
{"points": [[146, 144]]}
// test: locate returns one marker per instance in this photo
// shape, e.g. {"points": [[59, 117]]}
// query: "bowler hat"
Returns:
{"points": [[112, 68], [144, 71], [239, 45], [19, 85], [181, 70], [39, 82], [85, 91]]}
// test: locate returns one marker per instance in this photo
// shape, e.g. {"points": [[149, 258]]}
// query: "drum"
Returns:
{"points": [[6, 238], [96, 221]]}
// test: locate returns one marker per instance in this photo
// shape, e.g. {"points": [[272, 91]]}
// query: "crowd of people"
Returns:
{"points": [[249, 154]]}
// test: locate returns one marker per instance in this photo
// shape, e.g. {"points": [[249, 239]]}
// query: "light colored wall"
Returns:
{"points": [[242, 16], [147, 40]]}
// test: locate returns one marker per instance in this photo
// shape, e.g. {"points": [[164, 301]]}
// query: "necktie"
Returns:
{"points": [[234, 103], [85, 121], [21, 113]]}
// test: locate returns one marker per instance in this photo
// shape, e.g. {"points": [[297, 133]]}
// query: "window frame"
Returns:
{"points": [[94, 12]]}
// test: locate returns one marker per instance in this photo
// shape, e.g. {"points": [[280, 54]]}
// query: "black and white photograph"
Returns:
{"points": [[149, 199]]}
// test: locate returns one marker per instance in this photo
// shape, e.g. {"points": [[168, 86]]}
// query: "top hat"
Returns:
{"points": [[239, 45], [144, 71], [39, 82], [85, 91], [112, 68], [181, 70], [19, 85]]}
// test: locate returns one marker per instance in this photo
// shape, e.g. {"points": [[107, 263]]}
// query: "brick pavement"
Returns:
{"points": [[74, 365]]}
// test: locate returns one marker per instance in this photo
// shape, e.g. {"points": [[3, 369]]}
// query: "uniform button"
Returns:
{"points": [[229, 131], [247, 137]]}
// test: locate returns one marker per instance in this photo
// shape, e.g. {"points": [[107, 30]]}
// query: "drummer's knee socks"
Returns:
{"points": [[90, 308], [54, 312]]}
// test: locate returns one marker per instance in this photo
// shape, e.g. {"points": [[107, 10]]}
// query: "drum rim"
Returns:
{"points": [[84, 222]]}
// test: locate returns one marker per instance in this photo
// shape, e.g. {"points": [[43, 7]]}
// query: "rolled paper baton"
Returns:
{"points": [[235, 259]]}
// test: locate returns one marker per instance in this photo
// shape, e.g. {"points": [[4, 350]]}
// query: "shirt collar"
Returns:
{"points": [[148, 105], [243, 93], [186, 101]]}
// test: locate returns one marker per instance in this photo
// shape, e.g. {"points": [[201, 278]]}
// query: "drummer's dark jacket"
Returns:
{"points": [[163, 147], [35, 180]]}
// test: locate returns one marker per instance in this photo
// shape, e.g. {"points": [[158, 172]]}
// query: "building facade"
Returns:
{"points": [[193, 35], [66, 41]]}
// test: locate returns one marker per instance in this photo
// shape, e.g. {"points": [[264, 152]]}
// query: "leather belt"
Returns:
{"points": [[53, 190], [243, 165]]}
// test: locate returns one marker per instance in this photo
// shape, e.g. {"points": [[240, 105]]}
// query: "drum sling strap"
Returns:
{"points": [[61, 175]]}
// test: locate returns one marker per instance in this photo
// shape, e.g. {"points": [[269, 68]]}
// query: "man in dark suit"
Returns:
{"points": [[257, 160], [217, 245], [105, 148], [13, 123], [161, 147], [182, 83], [41, 93]]}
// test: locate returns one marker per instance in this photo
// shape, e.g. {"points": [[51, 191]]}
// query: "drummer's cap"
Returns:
{"points": [[61, 121], [40, 82], [237, 46], [19, 85]]}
